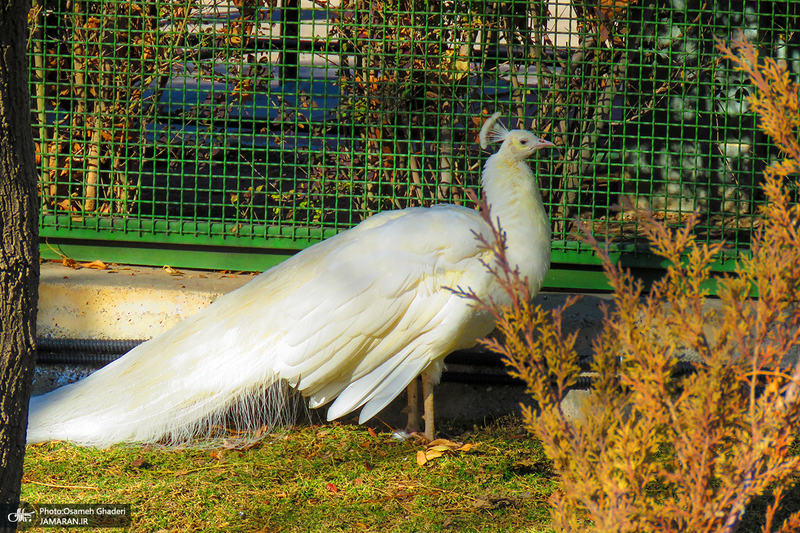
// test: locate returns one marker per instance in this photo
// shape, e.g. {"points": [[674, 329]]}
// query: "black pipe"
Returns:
{"points": [[95, 346], [476, 357], [99, 352], [75, 358], [91, 352]]}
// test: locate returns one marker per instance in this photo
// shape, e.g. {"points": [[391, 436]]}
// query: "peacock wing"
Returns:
{"points": [[382, 309]]}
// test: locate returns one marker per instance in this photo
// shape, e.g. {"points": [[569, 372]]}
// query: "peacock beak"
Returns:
{"points": [[543, 143]]}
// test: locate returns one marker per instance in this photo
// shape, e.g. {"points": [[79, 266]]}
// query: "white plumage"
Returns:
{"points": [[352, 320]]}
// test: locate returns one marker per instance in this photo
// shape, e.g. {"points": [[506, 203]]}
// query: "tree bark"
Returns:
{"points": [[19, 247]]}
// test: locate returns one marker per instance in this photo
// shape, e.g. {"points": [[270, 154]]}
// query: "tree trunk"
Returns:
{"points": [[19, 247]]}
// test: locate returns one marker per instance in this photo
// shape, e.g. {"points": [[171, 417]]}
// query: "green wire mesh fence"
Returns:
{"points": [[226, 134]]}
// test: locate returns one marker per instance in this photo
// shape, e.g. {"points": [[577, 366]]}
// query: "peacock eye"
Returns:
{"points": [[523, 142]]}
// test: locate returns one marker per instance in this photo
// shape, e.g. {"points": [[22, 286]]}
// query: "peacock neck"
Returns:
{"points": [[512, 192]]}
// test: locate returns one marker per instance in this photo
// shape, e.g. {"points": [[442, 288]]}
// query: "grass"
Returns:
{"points": [[321, 478]]}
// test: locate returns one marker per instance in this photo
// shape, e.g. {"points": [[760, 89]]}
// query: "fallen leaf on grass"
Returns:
{"points": [[444, 442], [439, 447], [217, 454], [332, 488], [421, 458]]}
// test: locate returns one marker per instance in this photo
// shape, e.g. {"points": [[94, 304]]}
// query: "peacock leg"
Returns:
{"points": [[428, 382], [414, 418]]}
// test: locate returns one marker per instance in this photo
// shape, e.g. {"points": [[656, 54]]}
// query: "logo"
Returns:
{"points": [[60, 515], [20, 516]]}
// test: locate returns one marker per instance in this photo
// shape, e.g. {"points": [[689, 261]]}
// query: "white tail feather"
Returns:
{"points": [[158, 412]]}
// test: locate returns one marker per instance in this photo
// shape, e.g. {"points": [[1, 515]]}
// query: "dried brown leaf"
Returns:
{"points": [[171, 271], [96, 265], [433, 454], [444, 442], [217, 455], [421, 458]]}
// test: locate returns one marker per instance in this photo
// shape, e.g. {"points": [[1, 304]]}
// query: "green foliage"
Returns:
{"points": [[657, 448], [404, 77], [91, 63]]}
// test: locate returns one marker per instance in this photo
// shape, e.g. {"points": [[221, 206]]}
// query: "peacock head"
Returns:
{"points": [[517, 145]]}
